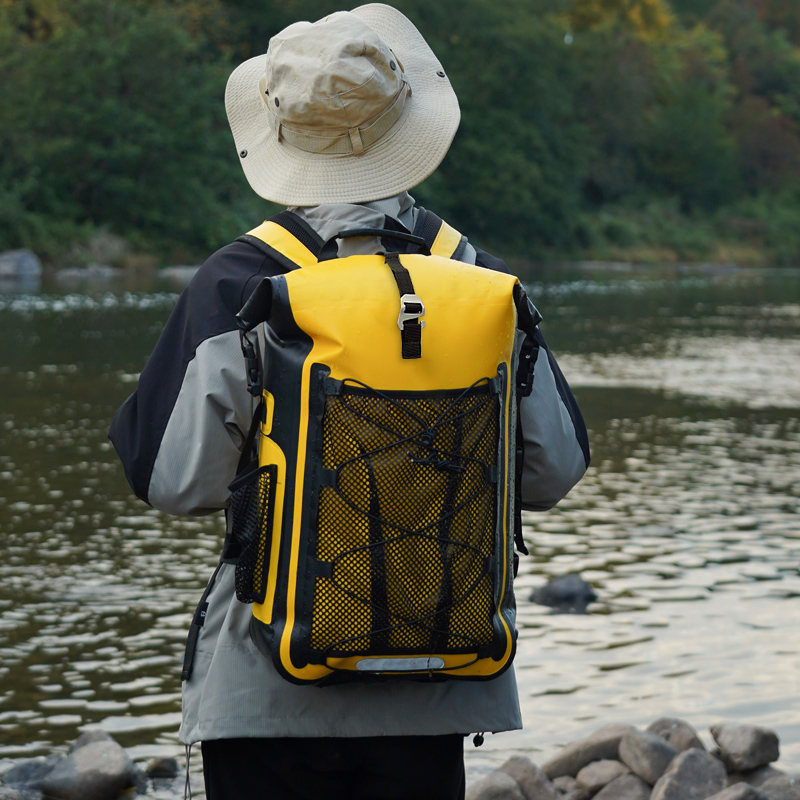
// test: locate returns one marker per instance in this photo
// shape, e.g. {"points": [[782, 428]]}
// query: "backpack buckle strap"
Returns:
{"points": [[411, 308]]}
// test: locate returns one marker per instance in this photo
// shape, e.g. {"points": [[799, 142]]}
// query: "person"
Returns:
{"points": [[337, 122]]}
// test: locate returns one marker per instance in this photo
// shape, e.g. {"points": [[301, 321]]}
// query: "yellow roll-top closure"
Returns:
{"points": [[359, 338]]}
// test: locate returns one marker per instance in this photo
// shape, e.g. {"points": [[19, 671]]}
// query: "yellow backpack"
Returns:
{"points": [[375, 530]]}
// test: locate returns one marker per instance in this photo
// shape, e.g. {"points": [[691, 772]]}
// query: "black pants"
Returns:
{"points": [[368, 768]]}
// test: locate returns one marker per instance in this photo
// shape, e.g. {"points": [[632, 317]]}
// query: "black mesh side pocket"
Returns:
{"points": [[252, 500]]}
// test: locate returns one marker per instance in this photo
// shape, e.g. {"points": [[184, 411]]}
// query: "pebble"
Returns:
{"points": [[679, 733], [626, 787], [745, 747], [603, 743], [692, 775], [647, 754]]}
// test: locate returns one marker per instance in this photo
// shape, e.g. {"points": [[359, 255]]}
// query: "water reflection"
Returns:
{"points": [[687, 524]]}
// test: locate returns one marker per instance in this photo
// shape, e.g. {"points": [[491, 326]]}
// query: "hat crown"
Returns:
{"points": [[330, 75]]}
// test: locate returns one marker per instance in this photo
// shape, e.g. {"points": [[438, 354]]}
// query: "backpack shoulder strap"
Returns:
{"points": [[286, 238], [442, 239]]}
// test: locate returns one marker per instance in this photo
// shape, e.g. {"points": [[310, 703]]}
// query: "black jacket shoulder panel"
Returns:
{"points": [[206, 308]]}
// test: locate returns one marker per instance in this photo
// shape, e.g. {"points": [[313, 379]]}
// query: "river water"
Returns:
{"points": [[686, 525]]}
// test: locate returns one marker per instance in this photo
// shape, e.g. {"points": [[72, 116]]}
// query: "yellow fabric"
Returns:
{"points": [[278, 237], [446, 241], [358, 338]]}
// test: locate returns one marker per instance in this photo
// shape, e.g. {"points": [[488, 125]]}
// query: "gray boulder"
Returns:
{"points": [[742, 791], [755, 777], [27, 776], [89, 737], [568, 788], [565, 593], [603, 743], [495, 786], [626, 787], [692, 775], [19, 264], [745, 747], [679, 733], [782, 787], [647, 754], [535, 785], [598, 774], [99, 770]]}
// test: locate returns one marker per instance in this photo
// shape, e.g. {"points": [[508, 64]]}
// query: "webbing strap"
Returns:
{"points": [[411, 309]]}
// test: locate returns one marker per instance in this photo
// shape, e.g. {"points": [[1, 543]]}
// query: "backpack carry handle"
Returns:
{"points": [[329, 249]]}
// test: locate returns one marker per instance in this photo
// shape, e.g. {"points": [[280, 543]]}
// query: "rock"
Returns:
{"points": [[568, 788], [494, 786], [603, 743], [596, 775], [755, 777], [782, 787], [535, 785], [745, 747], [626, 787], [19, 263], [93, 272], [565, 593], [178, 274], [163, 767], [89, 737], [692, 775], [741, 791], [679, 733], [647, 754], [98, 770], [27, 776]]}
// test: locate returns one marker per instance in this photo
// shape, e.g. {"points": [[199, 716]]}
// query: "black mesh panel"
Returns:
{"points": [[409, 527], [251, 507]]}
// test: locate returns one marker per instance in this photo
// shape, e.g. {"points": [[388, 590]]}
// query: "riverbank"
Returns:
{"points": [[666, 761]]}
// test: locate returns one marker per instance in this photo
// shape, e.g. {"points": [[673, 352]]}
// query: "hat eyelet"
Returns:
{"points": [[243, 153], [392, 66], [440, 73], [277, 102]]}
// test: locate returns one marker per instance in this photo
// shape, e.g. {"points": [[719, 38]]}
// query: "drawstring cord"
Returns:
{"points": [[187, 787]]}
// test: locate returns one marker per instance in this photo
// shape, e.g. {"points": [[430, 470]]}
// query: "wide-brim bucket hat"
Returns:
{"points": [[352, 108]]}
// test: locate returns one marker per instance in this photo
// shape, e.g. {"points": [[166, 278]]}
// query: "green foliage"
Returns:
{"points": [[115, 120], [610, 128]]}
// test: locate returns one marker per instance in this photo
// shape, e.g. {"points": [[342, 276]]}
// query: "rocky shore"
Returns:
{"points": [[667, 761], [95, 768]]}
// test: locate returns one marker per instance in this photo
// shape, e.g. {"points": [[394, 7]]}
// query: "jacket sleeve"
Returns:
{"points": [[180, 433], [555, 444]]}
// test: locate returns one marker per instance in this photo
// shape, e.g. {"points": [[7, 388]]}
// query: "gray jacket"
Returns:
{"points": [[179, 437]]}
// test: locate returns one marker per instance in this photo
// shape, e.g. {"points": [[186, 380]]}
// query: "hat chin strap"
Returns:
{"points": [[354, 142]]}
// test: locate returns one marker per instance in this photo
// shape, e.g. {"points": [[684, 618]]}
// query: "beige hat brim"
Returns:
{"points": [[409, 152]]}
